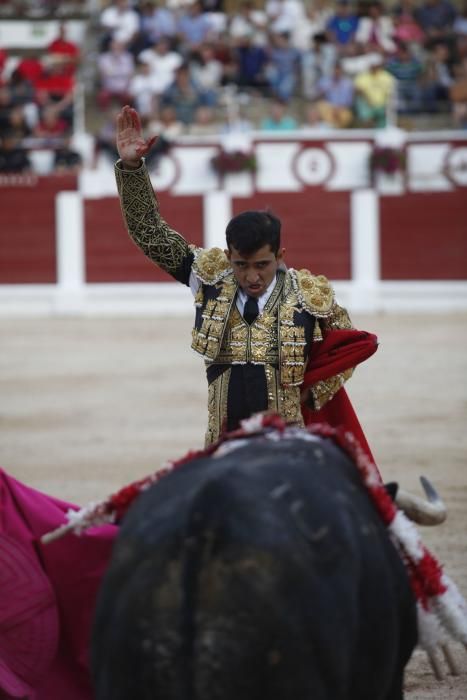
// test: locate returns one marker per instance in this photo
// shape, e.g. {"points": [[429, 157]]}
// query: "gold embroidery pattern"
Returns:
{"points": [[147, 228], [292, 344], [210, 266], [263, 339], [207, 340], [217, 407], [314, 292], [284, 400], [323, 391], [240, 343], [338, 318]]}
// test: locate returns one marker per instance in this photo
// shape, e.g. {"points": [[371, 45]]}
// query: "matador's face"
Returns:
{"points": [[255, 272]]}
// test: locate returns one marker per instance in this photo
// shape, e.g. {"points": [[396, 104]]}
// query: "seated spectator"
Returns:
{"points": [[184, 95], [342, 26], [193, 27], [375, 90], [66, 159], [248, 22], [21, 89], [13, 157], [286, 17], [163, 63], [204, 122], [437, 78], [16, 121], [165, 125], [335, 99], [407, 71], [120, 23], [156, 21], [283, 68], [21, 93], [436, 18], [315, 21], [51, 125], [55, 80], [115, 70], [279, 118], [30, 68], [317, 61], [65, 51], [406, 28], [144, 90], [250, 62], [374, 31], [207, 72]]}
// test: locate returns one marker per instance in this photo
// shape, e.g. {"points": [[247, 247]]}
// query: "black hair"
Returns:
{"points": [[251, 230]]}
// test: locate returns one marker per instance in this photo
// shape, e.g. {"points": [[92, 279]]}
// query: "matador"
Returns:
{"points": [[256, 321]]}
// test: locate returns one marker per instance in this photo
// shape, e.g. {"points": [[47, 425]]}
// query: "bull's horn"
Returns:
{"points": [[424, 512]]}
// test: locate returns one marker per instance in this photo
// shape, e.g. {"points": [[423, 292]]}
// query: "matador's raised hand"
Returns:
{"points": [[131, 145]]}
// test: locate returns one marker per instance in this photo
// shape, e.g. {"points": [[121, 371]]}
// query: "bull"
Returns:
{"points": [[262, 574]]}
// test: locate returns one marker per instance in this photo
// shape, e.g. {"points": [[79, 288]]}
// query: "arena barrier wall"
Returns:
{"points": [[387, 241]]}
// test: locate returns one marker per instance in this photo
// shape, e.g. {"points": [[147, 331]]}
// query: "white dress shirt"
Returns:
{"points": [[241, 296]]}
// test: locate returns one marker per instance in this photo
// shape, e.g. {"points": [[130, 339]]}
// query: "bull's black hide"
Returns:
{"points": [[265, 574]]}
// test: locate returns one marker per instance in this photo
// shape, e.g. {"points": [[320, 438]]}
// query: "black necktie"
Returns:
{"points": [[251, 311]]}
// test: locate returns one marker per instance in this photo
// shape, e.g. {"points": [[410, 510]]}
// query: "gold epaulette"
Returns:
{"points": [[314, 292], [210, 265]]}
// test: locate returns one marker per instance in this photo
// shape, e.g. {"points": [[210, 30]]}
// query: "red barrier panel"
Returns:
{"points": [[27, 231], [111, 256], [424, 236]]}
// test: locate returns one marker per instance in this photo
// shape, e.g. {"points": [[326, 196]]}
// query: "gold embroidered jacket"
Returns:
{"points": [[300, 308]]}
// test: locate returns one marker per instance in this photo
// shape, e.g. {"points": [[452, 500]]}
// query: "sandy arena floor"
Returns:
{"points": [[87, 405]]}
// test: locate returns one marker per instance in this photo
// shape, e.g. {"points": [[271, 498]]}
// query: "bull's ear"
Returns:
{"points": [[392, 489]]}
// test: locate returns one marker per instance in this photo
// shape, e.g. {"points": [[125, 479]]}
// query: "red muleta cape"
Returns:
{"points": [[339, 350]]}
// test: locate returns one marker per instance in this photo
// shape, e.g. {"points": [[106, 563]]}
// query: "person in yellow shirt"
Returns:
{"points": [[374, 92]]}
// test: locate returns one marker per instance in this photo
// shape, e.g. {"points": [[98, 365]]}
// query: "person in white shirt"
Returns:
{"points": [[121, 23], [163, 63], [375, 32]]}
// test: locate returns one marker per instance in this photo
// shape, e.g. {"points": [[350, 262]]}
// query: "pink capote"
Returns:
{"points": [[47, 596]]}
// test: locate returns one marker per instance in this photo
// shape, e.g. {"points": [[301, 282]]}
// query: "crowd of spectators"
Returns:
{"points": [[193, 67], [37, 104]]}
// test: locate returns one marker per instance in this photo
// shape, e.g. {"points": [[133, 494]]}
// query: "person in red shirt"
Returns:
{"points": [[51, 124], [64, 51], [30, 69]]}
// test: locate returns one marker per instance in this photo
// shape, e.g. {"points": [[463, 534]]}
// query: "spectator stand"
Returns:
{"points": [[290, 48], [42, 96]]}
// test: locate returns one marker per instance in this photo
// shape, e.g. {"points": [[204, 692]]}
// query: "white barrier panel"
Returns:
{"points": [[70, 248], [365, 249], [217, 211]]}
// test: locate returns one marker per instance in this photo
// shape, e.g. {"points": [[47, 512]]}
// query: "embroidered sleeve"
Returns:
{"points": [[140, 209], [321, 392]]}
